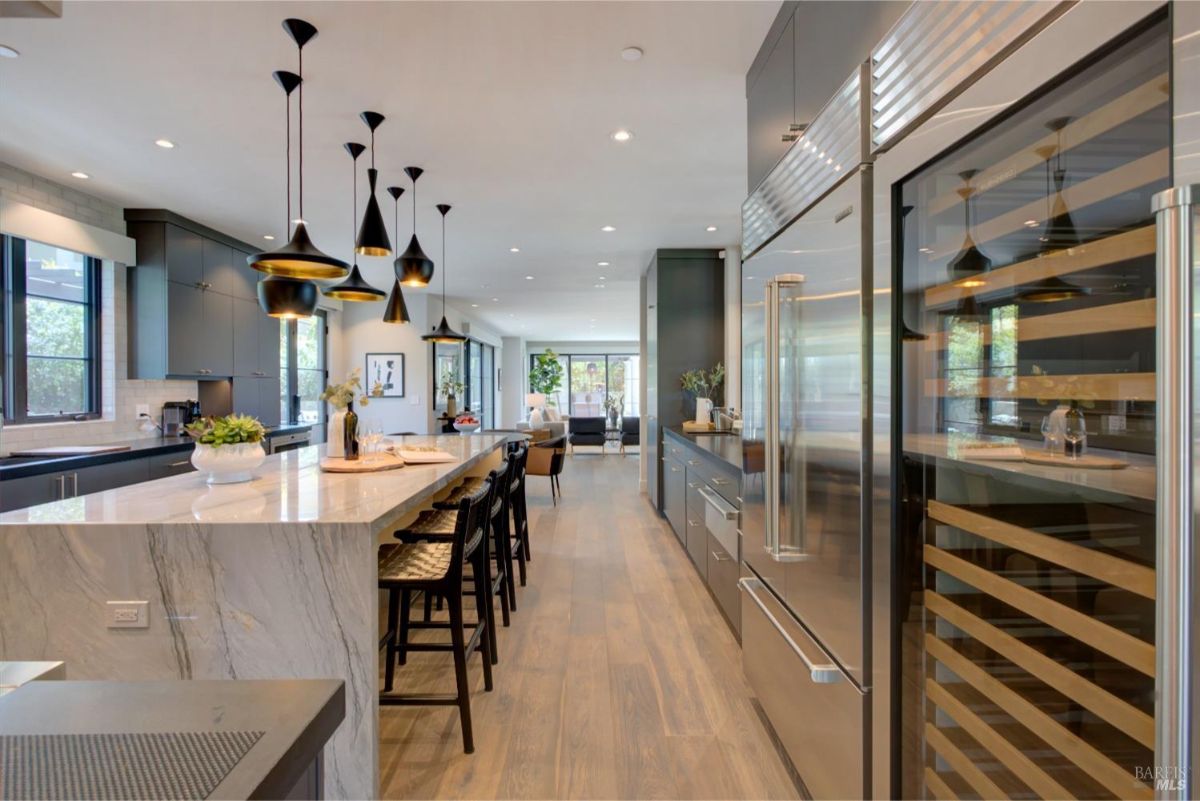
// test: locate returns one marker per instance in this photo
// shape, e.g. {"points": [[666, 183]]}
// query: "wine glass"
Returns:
{"points": [[1047, 434], [1075, 433]]}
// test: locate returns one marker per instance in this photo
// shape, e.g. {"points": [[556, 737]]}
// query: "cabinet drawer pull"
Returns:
{"points": [[694, 523], [719, 556], [74, 485], [720, 482], [179, 464], [691, 462], [693, 484]]}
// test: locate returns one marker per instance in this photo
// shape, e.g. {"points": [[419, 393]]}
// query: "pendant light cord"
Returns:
{"points": [[300, 50], [443, 265], [287, 224], [354, 203]]}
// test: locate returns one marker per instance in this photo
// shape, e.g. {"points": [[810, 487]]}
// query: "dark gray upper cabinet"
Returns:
{"points": [[246, 316], [771, 105], [190, 298], [269, 407], [268, 344], [221, 273]]}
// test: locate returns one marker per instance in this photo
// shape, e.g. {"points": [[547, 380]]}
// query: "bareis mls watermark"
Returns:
{"points": [[1164, 778]]}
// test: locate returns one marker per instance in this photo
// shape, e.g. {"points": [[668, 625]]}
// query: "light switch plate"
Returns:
{"points": [[128, 614]]}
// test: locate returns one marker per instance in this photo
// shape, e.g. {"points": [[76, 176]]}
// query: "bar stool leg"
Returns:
{"points": [[485, 616], [459, 646], [389, 668], [405, 611]]}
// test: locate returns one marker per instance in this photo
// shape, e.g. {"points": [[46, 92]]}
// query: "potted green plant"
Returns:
{"points": [[704, 386], [342, 439], [450, 386], [546, 376], [228, 448], [615, 406]]}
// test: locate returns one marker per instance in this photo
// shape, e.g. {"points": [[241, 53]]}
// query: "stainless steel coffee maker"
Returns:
{"points": [[176, 415]]}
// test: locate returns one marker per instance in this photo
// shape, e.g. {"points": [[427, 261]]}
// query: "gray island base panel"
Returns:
{"points": [[167, 739], [275, 578]]}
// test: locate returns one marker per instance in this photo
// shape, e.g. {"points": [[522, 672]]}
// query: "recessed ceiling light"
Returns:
{"points": [[165, 144], [632, 54], [514, 250], [529, 278], [474, 305], [268, 237], [78, 174], [711, 228], [8, 52], [598, 286], [495, 300], [602, 278], [601, 264], [622, 135], [925, 250], [608, 229]]}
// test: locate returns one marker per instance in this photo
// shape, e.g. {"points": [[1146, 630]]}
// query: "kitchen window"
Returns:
{"points": [[50, 332], [305, 369]]}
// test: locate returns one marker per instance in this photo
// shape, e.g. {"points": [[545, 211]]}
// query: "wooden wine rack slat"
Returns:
{"points": [[1129, 316], [1129, 176], [1075, 748], [1149, 95], [1108, 707], [1088, 561], [1121, 646], [1109, 250], [961, 763], [1091, 386]]}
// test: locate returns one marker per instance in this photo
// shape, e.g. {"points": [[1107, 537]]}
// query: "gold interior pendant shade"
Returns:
{"points": [[355, 288], [444, 333]]}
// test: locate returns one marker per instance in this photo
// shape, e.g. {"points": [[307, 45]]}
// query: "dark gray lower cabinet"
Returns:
{"points": [[697, 540], [170, 464], [19, 493], [723, 581], [675, 497], [98, 478]]}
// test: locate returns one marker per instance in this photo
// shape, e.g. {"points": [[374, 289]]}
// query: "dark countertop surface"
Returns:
{"points": [[726, 447], [296, 716], [143, 447]]}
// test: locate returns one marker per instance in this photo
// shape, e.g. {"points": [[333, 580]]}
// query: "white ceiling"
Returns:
{"points": [[508, 106]]}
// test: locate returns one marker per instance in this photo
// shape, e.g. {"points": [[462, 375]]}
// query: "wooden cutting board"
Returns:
{"points": [[1085, 462], [71, 450], [377, 463]]}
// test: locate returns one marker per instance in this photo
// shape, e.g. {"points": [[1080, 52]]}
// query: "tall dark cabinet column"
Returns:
{"points": [[685, 330]]}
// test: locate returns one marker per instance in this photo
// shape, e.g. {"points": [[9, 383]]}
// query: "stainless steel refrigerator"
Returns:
{"points": [[805, 636]]}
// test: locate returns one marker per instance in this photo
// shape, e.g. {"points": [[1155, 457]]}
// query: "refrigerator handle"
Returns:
{"points": [[1174, 211], [771, 408], [823, 672]]}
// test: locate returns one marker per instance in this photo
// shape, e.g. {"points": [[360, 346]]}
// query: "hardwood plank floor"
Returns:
{"points": [[617, 679]]}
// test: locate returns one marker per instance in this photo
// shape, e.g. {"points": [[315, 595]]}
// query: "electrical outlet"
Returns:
{"points": [[142, 409], [415, 400], [128, 614]]}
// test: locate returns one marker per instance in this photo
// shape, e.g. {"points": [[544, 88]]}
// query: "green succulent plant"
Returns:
{"points": [[233, 429]]}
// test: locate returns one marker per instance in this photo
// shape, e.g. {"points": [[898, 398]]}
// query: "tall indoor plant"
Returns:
{"points": [[227, 448], [546, 375], [450, 386]]}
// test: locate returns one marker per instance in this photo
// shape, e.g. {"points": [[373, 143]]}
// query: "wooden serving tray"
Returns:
{"points": [[376, 464], [692, 427], [1085, 462]]}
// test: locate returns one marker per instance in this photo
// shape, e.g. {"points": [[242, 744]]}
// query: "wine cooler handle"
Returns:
{"points": [[1174, 211]]}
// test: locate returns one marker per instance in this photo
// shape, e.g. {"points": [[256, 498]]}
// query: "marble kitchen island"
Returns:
{"points": [[274, 578]]}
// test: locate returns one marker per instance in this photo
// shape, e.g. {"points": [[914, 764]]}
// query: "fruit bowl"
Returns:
{"points": [[466, 423]]}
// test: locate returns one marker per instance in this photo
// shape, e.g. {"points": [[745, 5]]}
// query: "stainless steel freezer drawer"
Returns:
{"points": [[815, 709]]}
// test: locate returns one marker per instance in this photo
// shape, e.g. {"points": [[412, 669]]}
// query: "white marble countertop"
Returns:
{"points": [[288, 487]]}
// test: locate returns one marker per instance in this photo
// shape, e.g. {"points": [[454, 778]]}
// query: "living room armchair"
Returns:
{"points": [[586, 431]]}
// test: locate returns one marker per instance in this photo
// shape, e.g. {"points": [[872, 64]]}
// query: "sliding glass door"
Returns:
{"points": [[590, 379]]}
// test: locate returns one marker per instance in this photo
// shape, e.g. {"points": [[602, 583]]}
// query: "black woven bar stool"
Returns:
{"points": [[518, 452], [439, 525], [437, 568]]}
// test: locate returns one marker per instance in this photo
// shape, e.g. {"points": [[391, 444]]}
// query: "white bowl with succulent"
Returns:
{"points": [[228, 448], [341, 398]]}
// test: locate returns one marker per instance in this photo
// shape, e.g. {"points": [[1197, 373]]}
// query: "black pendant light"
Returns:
{"points": [[1060, 232], [396, 311], [372, 237], [413, 267], [444, 333], [278, 296], [287, 298], [299, 258], [970, 260], [355, 287]]}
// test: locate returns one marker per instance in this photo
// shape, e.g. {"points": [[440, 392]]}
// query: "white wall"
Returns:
{"points": [[514, 377], [359, 329], [733, 326]]}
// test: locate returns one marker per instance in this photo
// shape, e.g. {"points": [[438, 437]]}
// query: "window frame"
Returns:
{"points": [[14, 337], [290, 370], [608, 357]]}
